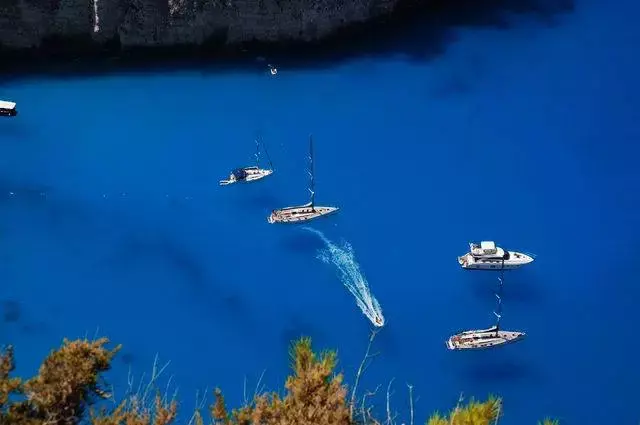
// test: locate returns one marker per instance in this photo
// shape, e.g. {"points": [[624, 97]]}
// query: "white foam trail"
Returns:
{"points": [[351, 277]]}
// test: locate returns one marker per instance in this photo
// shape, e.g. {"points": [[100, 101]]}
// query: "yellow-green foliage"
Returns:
{"points": [[473, 413], [68, 385]]}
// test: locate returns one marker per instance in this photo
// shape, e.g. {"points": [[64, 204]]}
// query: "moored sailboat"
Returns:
{"points": [[308, 211], [252, 173], [493, 336]]}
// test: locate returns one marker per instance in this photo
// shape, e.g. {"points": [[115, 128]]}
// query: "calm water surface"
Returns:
{"points": [[112, 220]]}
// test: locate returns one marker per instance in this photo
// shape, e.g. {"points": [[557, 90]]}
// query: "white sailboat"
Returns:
{"points": [[252, 173], [478, 339], [306, 212]]}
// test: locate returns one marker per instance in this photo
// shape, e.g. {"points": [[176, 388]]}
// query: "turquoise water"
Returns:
{"points": [[113, 222]]}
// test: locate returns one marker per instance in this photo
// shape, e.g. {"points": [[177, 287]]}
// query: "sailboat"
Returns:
{"points": [[305, 212], [252, 173], [485, 338]]}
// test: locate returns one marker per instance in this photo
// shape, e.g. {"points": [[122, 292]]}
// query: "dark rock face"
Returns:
{"points": [[26, 24]]}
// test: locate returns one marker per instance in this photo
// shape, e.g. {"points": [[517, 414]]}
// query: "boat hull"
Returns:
{"points": [[516, 260], [8, 112], [299, 214]]}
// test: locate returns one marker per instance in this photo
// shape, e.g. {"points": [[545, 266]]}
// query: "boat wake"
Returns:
{"points": [[351, 276]]}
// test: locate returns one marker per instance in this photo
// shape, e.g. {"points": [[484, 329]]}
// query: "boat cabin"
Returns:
{"points": [[8, 109], [484, 249]]}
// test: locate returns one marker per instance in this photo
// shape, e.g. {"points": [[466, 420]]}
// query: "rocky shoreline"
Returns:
{"points": [[99, 35], [120, 25]]}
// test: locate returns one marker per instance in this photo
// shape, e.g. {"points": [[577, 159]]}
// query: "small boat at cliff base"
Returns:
{"points": [[487, 256], [306, 212], [8, 109]]}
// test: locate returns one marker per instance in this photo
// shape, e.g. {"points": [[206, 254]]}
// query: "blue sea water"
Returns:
{"points": [[112, 221]]}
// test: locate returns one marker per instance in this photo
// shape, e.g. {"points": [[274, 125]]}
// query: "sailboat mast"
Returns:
{"points": [[498, 311], [311, 172], [257, 154], [266, 152]]}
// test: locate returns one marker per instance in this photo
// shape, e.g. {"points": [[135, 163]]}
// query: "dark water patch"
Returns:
{"points": [[11, 311], [298, 327], [23, 192], [34, 328], [154, 247], [301, 242], [458, 80], [503, 370], [127, 358], [417, 30]]}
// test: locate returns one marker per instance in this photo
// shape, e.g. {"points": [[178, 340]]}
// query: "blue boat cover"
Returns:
{"points": [[239, 173]]}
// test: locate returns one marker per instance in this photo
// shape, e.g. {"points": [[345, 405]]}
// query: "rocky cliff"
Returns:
{"points": [[135, 23]]}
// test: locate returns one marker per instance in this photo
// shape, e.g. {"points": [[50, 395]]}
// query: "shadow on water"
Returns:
{"points": [[141, 248], [297, 327], [497, 366], [521, 286], [11, 311], [300, 242], [417, 31], [12, 314], [127, 358]]}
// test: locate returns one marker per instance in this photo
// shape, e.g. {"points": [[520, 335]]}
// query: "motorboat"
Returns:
{"points": [[8, 109], [487, 256], [306, 212]]}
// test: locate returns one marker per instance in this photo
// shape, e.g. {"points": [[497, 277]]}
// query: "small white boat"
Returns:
{"points": [[8, 109], [479, 339], [249, 174], [246, 175], [306, 212], [487, 256]]}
